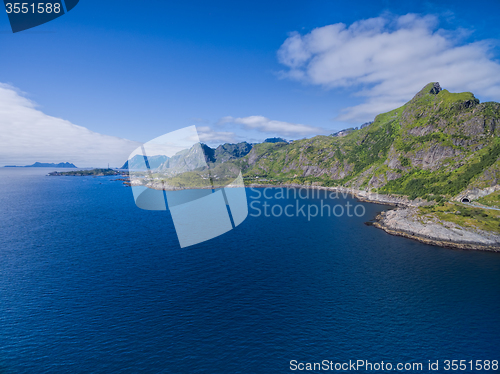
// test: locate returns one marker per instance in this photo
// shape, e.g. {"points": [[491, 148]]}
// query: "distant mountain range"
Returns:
{"points": [[223, 153], [45, 165]]}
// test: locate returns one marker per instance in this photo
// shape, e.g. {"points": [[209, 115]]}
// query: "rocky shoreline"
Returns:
{"points": [[403, 220]]}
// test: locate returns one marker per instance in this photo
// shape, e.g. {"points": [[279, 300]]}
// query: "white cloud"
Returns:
{"points": [[387, 60], [267, 125], [28, 135], [209, 136]]}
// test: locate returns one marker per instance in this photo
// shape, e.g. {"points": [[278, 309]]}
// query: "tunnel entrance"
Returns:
{"points": [[465, 200]]}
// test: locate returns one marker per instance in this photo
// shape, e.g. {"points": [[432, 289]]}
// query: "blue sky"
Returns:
{"points": [[137, 70]]}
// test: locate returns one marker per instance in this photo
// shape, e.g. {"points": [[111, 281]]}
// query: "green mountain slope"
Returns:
{"points": [[439, 143]]}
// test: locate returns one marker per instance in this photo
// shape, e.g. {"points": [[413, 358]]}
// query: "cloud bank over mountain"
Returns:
{"points": [[208, 135], [28, 135], [386, 59], [269, 126]]}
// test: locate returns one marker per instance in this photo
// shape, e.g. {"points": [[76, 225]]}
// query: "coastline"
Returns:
{"points": [[402, 220], [399, 222]]}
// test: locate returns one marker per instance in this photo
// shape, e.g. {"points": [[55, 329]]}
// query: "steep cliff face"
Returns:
{"points": [[438, 143]]}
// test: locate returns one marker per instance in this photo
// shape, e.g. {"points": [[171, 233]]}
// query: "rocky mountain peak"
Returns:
{"points": [[435, 88], [432, 88]]}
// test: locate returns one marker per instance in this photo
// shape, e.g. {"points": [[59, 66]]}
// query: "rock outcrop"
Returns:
{"points": [[407, 222]]}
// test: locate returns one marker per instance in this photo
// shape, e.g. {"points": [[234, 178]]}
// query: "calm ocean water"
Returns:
{"points": [[91, 284]]}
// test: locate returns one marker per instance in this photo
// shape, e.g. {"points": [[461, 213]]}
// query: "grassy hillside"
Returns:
{"points": [[437, 144]]}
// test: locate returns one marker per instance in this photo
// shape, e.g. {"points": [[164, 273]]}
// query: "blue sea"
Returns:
{"points": [[89, 283]]}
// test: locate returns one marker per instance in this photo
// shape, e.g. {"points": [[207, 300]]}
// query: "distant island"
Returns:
{"points": [[92, 172], [45, 165]]}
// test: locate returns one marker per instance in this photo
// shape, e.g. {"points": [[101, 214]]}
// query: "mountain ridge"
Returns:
{"points": [[431, 157], [436, 146], [222, 153], [446, 142]]}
